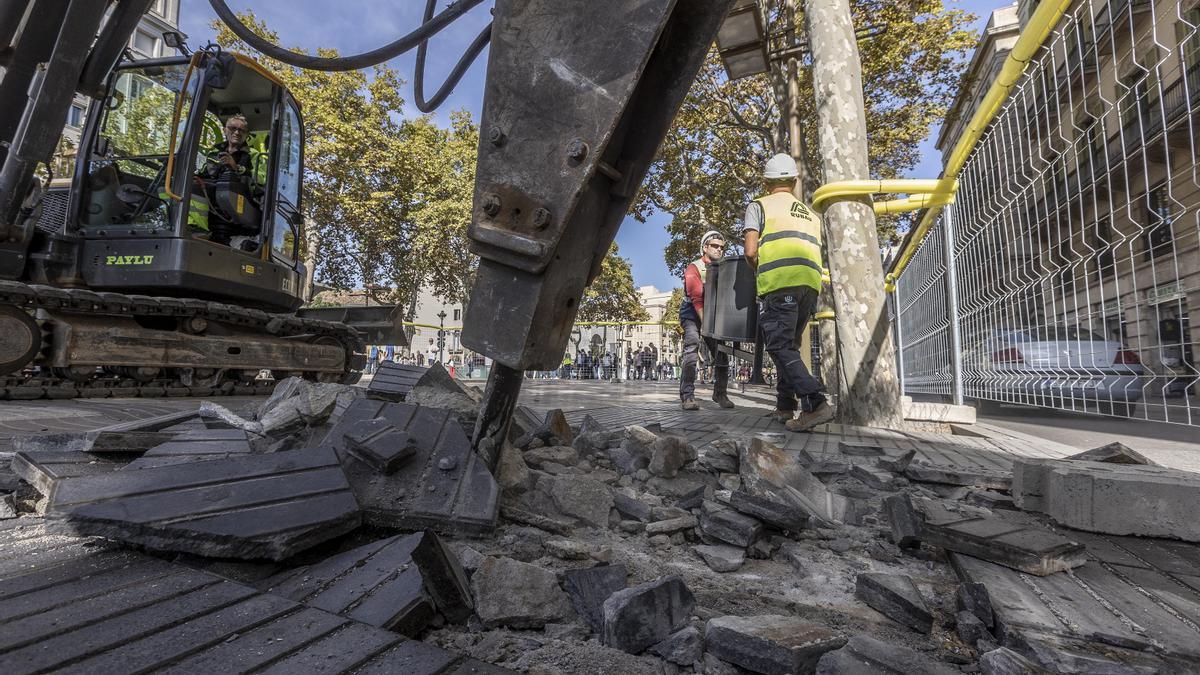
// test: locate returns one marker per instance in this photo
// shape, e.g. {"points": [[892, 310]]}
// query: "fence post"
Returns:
{"points": [[956, 388], [899, 338]]}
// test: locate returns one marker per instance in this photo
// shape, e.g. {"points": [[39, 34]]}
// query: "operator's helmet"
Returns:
{"points": [[779, 167]]}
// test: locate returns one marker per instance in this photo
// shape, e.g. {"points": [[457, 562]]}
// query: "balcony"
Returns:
{"points": [[1124, 16], [1179, 102]]}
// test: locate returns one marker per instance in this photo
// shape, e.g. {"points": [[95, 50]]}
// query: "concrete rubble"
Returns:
{"points": [[629, 546]]}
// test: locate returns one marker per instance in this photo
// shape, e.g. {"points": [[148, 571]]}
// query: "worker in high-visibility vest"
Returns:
{"points": [[691, 312], [783, 242]]}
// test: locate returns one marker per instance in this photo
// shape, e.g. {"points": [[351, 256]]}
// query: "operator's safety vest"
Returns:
{"points": [[789, 248], [686, 309]]}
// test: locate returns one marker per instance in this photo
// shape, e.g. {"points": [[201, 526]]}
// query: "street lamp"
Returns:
{"points": [[441, 343], [741, 41]]}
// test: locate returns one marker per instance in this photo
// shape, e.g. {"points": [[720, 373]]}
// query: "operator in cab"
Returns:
{"points": [[783, 243], [233, 156], [691, 313]]}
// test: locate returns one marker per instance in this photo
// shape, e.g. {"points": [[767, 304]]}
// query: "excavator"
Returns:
{"points": [[142, 270]]}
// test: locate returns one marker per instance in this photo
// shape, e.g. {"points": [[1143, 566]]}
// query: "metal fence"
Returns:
{"points": [[1064, 274]]}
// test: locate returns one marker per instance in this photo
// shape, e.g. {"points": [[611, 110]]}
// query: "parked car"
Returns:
{"points": [[1060, 366]]}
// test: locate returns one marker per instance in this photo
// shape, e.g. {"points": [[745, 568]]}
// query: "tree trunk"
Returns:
{"points": [[868, 360]]}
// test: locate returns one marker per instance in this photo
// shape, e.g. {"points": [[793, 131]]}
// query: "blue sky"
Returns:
{"points": [[353, 26]]}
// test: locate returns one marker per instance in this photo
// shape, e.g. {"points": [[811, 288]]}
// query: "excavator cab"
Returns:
{"points": [[167, 201]]}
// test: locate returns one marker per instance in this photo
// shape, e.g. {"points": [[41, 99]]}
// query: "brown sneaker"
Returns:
{"points": [[781, 415], [807, 420], [723, 401], [690, 404]]}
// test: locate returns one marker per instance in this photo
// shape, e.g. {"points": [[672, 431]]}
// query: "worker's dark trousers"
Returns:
{"points": [[691, 349], [782, 315]]}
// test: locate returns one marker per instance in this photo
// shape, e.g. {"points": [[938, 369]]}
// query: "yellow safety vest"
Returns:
{"points": [[789, 248]]}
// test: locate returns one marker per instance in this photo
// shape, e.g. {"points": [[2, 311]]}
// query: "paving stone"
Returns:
{"points": [[682, 648], [896, 597], [728, 526], [397, 583], [567, 549], [252, 506], [693, 499], [1113, 453], [880, 480], [990, 500], [669, 455], [927, 472], [45, 469], [865, 655], [671, 526], [559, 454], [518, 595], [786, 517], [8, 506], [969, 628], [722, 558], [631, 507], [588, 588], [194, 446], [829, 468], [711, 665], [1004, 661], [906, 522], [537, 520], [973, 597], [100, 441], [856, 449], [1033, 550], [393, 381], [1148, 501], [770, 473], [896, 464], [379, 444], [554, 430], [443, 486], [769, 644], [717, 460], [585, 500], [638, 617]]}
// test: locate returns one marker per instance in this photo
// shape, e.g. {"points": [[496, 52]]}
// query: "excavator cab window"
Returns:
{"points": [[126, 170]]}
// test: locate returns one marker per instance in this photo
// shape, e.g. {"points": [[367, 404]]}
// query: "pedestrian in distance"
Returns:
{"points": [[783, 243], [691, 314]]}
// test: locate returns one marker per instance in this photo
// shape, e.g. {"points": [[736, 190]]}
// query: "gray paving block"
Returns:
{"points": [[380, 444], [1149, 501], [1113, 453], [1033, 550], [771, 473], [397, 583], [864, 655], [110, 442], [588, 588], [197, 445], [925, 472], [343, 650], [896, 597], [261, 645], [45, 469], [771, 644], [251, 506], [410, 656], [443, 486]]}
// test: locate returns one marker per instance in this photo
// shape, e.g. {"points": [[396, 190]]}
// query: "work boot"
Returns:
{"points": [[690, 404], [807, 420], [784, 416], [722, 400]]}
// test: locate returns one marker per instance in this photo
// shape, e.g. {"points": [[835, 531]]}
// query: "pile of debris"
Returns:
{"points": [[629, 549]]}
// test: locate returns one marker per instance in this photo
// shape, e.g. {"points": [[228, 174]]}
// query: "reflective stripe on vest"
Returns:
{"points": [[789, 250]]}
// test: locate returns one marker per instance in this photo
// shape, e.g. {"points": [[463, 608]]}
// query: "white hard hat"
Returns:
{"points": [[780, 166], [711, 234]]}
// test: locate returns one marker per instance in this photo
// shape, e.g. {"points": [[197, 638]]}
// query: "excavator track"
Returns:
{"points": [[252, 327]]}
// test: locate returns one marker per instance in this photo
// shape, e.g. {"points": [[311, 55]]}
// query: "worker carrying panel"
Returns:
{"points": [[730, 305], [789, 252]]}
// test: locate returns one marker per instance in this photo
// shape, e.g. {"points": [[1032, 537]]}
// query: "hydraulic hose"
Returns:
{"points": [[455, 75], [356, 62]]}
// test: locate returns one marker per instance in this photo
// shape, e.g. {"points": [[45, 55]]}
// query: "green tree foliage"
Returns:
{"points": [[390, 197], [710, 165], [612, 296], [671, 313]]}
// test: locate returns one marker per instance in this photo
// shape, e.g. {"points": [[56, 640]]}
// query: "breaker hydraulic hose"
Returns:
{"points": [[364, 60]]}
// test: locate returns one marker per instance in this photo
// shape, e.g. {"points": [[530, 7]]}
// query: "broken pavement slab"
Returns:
{"points": [[194, 446], [105, 442], [1113, 453], [380, 444], [397, 583], [518, 595], [252, 506], [589, 587], [393, 381], [770, 473], [1120, 499], [45, 469], [638, 617], [769, 644], [1034, 550], [896, 597], [864, 655], [443, 486]]}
